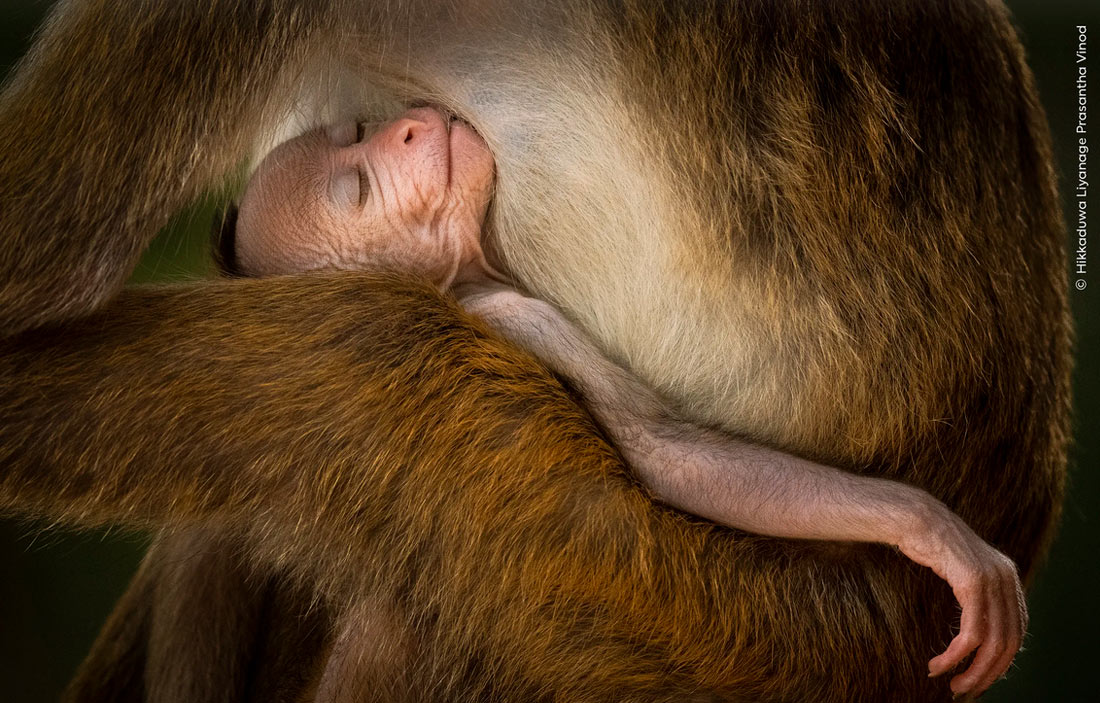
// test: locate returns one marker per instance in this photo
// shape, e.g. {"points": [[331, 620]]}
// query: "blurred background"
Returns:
{"points": [[57, 587]]}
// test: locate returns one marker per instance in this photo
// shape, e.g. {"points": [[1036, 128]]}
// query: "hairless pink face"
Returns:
{"points": [[410, 196]]}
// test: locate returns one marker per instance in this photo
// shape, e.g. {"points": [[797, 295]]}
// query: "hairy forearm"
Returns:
{"points": [[744, 485], [766, 491]]}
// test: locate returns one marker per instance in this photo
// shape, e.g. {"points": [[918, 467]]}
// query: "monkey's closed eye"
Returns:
{"points": [[360, 131]]}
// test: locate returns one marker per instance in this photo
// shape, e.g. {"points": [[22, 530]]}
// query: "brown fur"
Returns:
{"points": [[865, 204]]}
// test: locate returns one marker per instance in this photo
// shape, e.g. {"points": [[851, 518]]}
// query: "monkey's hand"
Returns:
{"points": [[985, 582]]}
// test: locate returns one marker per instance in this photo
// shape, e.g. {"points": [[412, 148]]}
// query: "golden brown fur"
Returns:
{"points": [[831, 227]]}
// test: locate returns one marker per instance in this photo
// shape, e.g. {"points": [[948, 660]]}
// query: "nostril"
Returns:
{"points": [[408, 129]]}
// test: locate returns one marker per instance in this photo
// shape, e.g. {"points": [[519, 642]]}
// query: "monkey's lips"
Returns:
{"points": [[461, 134], [469, 158]]}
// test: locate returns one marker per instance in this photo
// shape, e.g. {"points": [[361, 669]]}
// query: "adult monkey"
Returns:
{"points": [[861, 236]]}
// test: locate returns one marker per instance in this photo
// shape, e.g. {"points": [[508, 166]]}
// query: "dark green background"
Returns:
{"points": [[57, 587]]}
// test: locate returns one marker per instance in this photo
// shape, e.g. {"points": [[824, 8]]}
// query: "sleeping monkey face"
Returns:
{"points": [[409, 195]]}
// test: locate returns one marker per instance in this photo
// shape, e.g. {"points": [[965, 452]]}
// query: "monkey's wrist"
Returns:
{"points": [[922, 525]]}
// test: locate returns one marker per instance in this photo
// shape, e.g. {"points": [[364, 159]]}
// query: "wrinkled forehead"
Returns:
{"points": [[288, 185]]}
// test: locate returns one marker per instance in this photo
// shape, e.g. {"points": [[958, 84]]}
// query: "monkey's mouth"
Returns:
{"points": [[460, 138]]}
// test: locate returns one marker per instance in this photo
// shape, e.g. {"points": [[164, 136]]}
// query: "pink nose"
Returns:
{"points": [[415, 125]]}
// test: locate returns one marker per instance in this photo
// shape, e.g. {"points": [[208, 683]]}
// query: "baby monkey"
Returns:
{"points": [[412, 195]]}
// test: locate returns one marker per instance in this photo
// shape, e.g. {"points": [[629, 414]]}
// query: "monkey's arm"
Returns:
{"points": [[120, 115], [766, 491], [237, 404]]}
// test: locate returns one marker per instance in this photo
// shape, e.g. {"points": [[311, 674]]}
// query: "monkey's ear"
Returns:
{"points": [[223, 236]]}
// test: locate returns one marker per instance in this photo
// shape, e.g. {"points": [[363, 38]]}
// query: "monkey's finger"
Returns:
{"points": [[1015, 626], [996, 671], [963, 644], [992, 646], [971, 631]]}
